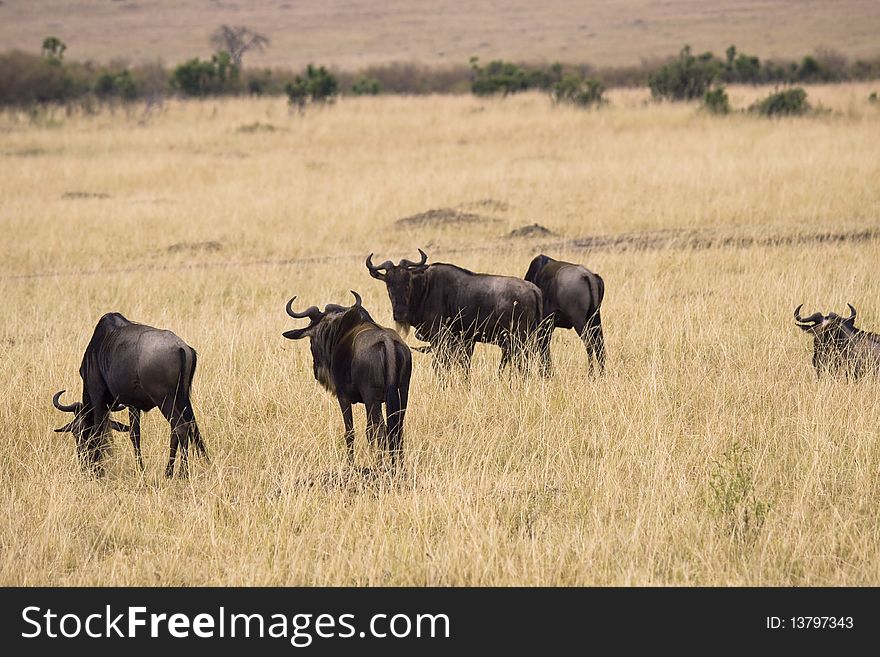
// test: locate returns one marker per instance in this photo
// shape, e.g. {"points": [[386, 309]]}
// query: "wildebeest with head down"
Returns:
{"points": [[838, 346], [141, 367], [572, 299], [453, 308], [361, 363]]}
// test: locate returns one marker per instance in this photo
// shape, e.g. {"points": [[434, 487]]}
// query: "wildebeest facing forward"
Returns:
{"points": [[838, 346], [453, 308], [141, 367], [361, 363], [572, 299]]}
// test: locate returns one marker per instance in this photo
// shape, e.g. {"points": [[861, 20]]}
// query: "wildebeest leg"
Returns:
{"points": [[182, 430], [464, 353], [348, 421], [100, 400], [179, 432], [134, 420], [544, 337], [376, 432], [598, 340]]}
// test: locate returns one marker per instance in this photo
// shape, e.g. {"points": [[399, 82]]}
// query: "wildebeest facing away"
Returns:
{"points": [[453, 309], [572, 299], [838, 346], [141, 367], [361, 363]]}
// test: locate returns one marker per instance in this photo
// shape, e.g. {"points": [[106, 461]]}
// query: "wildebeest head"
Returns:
{"points": [[90, 441], [831, 334], [319, 323], [831, 328], [399, 281]]}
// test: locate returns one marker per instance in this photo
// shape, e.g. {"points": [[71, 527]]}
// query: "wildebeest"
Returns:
{"points": [[572, 299], [453, 309], [140, 367], [838, 346], [361, 363]]}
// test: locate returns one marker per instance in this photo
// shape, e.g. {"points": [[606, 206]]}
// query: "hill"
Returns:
{"points": [[354, 33]]}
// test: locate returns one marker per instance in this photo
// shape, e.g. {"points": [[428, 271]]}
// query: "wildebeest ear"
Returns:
{"points": [[66, 427], [118, 426], [297, 334]]}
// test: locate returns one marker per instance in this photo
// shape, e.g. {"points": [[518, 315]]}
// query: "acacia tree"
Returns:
{"points": [[53, 49], [237, 40]]}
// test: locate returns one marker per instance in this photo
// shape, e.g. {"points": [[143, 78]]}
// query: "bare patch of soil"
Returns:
{"points": [[81, 195], [211, 246], [443, 217], [532, 230]]}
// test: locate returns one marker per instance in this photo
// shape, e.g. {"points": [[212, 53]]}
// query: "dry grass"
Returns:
{"points": [[356, 33], [627, 479]]}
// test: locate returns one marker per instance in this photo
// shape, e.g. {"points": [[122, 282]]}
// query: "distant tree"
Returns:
{"points": [[237, 40], [53, 49], [203, 78], [318, 86], [365, 86]]}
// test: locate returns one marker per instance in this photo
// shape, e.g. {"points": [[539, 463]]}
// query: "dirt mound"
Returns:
{"points": [[490, 204], [443, 217], [532, 230], [75, 195], [708, 239], [210, 246]]}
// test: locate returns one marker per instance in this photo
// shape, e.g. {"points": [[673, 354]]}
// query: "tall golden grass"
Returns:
{"points": [[708, 453]]}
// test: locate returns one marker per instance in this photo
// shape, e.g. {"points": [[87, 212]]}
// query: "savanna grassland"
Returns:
{"points": [[708, 453], [354, 33]]}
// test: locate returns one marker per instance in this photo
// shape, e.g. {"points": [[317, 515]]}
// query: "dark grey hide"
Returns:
{"points": [[136, 366], [361, 363], [572, 300], [453, 309], [838, 346]]}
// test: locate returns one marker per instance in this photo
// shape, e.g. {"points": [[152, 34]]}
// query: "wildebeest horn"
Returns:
{"points": [[407, 263], [311, 312], [374, 270], [815, 318], [852, 313], [67, 408], [117, 407], [357, 299]]}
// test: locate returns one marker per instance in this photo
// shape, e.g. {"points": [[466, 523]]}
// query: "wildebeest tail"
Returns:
{"points": [[397, 372], [597, 291], [187, 412]]}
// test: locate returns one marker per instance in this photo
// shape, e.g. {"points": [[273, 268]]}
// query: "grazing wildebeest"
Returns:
{"points": [[136, 366], [572, 299], [838, 346], [361, 363], [453, 309]]}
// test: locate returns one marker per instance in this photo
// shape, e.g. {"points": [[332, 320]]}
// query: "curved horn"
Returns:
{"points": [[117, 407], [852, 313], [420, 263], [815, 318], [311, 312], [374, 270], [358, 302], [67, 408]]}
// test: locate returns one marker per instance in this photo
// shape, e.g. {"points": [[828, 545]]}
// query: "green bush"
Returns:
{"points": [[205, 78], [318, 86], [716, 101], [116, 85], [497, 77], [686, 78], [575, 90], [788, 102], [366, 87]]}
